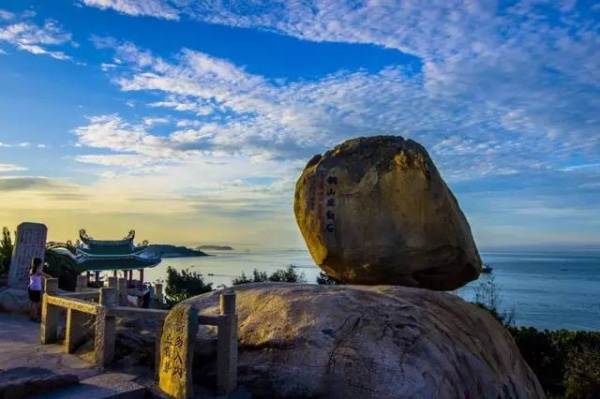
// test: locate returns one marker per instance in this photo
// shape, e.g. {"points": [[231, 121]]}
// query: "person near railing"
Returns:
{"points": [[35, 288]]}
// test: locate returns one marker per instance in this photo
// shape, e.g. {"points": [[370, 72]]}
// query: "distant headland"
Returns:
{"points": [[173, 251], [214, 248]]}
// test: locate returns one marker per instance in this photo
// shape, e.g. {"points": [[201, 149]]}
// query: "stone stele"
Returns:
{"points": [[30, 243], [375, 210], [177, 351]]}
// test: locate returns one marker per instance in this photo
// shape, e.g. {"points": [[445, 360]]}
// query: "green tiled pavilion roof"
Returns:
{"points": [[117, 263], [104, 248]]}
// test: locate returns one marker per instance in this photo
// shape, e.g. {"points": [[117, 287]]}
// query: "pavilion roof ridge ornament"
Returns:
{"points": [[87, 239], [130, 236], [84, 236]]}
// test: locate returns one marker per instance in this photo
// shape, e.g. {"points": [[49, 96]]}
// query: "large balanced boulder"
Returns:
{"points": [[312, 341], [375, 210]]}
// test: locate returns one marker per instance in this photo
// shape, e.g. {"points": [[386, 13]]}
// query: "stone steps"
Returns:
{"points": [[103, 386]]}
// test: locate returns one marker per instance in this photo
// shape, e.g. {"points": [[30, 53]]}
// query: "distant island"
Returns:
{"points": [[172, 251], [214, 248]]}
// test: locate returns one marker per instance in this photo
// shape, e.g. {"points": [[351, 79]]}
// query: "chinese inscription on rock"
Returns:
{"points": [[330, 202], [177, 351]]}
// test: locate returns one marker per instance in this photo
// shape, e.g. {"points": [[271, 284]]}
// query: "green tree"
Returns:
{"points": [[184, 284], [62, 264], [324, 279], [582, 375], [6, 250], [487, 296], [287, 275]]}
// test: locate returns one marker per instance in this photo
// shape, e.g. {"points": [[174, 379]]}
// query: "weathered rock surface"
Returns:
{"points": [[23, 382], [375, 210], [14, 300], [299, 341]]}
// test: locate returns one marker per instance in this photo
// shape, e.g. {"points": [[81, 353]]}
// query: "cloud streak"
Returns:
{"points": [[25, 35]]}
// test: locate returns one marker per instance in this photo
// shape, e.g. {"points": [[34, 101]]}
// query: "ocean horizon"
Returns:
{"points": [[546, 289]]}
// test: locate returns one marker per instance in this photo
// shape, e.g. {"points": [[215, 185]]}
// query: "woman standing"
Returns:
{"points": [[35, 288]]}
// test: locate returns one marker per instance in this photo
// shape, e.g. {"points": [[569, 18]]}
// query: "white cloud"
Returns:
{"points": [[268, 119], [41, 40], [154, 8], [6, 15], [107, 66], [7, 167], [23, 144]]}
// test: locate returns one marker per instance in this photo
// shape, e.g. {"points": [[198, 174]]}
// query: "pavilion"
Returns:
{"points": [[114, 255]]}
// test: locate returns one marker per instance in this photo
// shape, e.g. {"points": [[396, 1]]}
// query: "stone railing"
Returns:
{"points": [[121, 284], [102, 315]]}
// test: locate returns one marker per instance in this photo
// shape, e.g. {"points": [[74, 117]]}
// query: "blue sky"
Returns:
{"points": [[191, 120]]}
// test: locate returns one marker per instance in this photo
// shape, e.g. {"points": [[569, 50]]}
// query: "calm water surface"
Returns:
{"points": [[547, 289]]}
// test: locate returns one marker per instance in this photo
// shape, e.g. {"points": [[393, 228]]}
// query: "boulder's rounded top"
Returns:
{"points": [[382, 152]]}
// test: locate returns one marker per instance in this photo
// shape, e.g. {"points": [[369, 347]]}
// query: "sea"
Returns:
{"points": [[544, 289]]}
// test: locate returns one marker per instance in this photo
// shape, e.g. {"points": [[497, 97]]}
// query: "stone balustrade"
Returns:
{"points": [[83, 315]]}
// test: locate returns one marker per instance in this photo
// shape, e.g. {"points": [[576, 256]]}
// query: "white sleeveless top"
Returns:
{"points": [[35, 282]]}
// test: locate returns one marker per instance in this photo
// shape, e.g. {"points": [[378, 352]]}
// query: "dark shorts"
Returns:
{"points": [[35, 296]]}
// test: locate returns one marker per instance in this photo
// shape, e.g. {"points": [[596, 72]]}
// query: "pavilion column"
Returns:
{"points": [[97, 276], [115, 273], [142, 276]]}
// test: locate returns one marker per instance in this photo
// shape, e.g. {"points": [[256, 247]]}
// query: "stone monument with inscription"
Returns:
{"points": [[177, 351], [30, 243]]}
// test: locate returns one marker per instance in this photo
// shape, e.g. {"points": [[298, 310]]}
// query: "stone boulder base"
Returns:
{"points": [[14, 300], [299, 341], [375, 211], [24, 382]]}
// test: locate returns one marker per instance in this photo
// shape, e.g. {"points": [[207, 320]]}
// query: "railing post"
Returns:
{"points": [[227, 350], [122, 282], [159, 332], [50, 313], [51, 286], [76, 329], [105, 329], [82, 283], [158, 296], [113, 282]]}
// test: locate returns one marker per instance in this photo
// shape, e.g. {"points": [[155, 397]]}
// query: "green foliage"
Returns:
{"points": [[257, 277], [288, 275], [184, 284], [324, 279], [487, 296], [6, 250], [582, 375], [60, 258], [567, 363]]}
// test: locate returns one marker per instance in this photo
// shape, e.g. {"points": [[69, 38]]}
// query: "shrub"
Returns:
{"points": [[287, 275], [487, 296], [6, 250], [582, 374], [61, 265], [565, 362], [184, 284], [324, 279]]}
